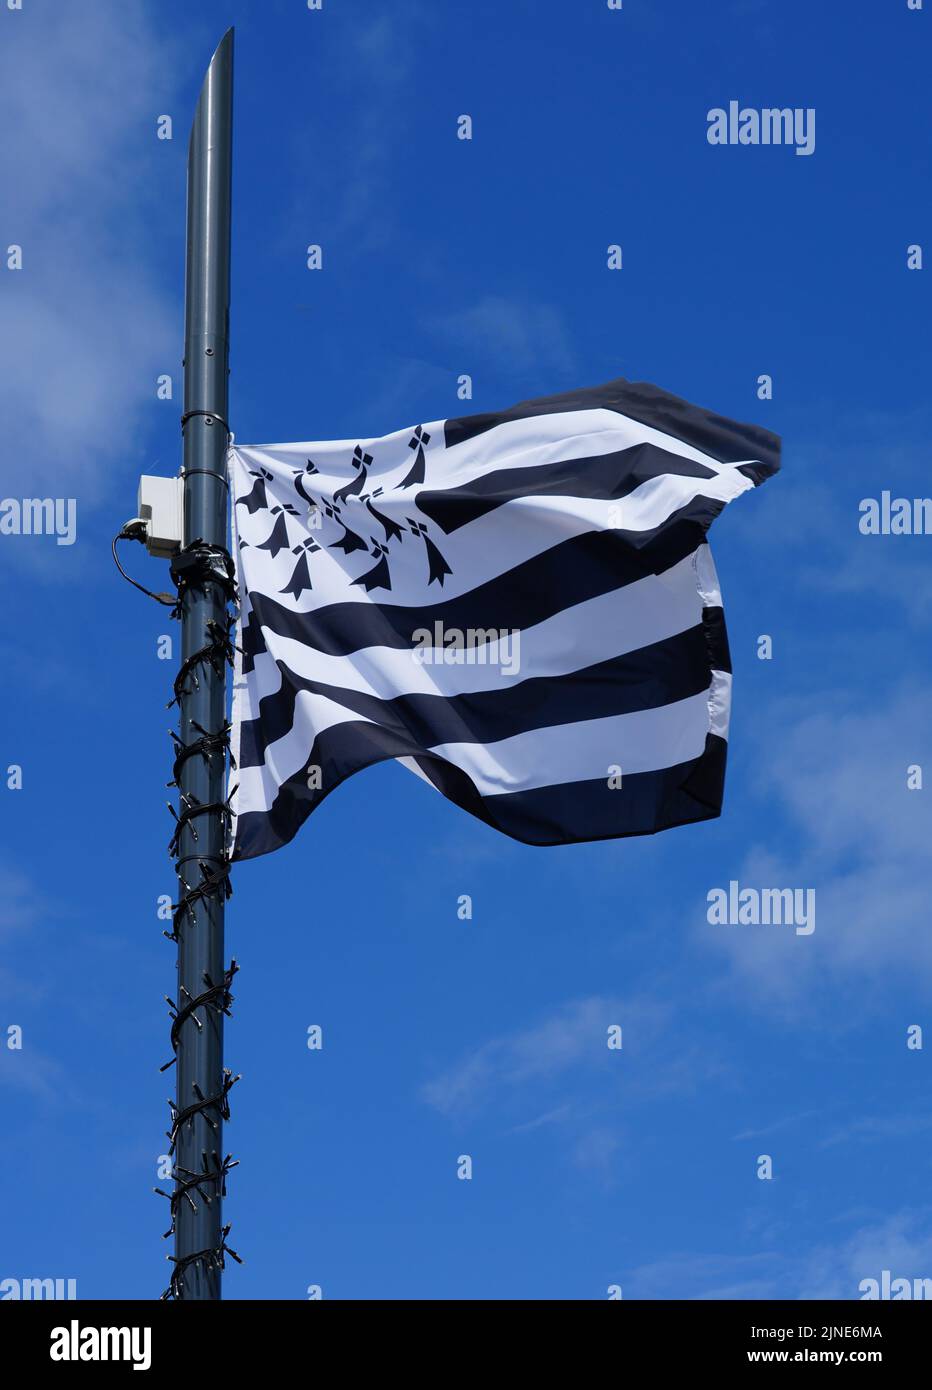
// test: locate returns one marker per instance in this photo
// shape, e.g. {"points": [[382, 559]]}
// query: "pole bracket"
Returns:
{"points": [[211, 417]]}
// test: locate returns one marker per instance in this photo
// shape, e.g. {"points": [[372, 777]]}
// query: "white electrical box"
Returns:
{"points": [[161, 507]]}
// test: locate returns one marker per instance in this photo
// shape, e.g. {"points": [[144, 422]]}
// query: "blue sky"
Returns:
{"points": [[442, 1037]]}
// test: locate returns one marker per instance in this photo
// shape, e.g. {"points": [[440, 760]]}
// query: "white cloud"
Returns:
{"points": [[692, 1276], [19, 906], [812, 515], [507, 332], [519, 1064], [30, 1071], [22, 906], [900, 1243], [25, 1069], [86, 325], [347, 191], [835, 789], [875, 1128]]}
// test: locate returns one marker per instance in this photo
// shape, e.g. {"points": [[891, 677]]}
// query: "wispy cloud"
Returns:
{"points": [[715, 1276], [347, 194], [509, 332], [86, 326], [31, 1071], [559, 1075], [24, 1069], [22, 905], [549, 1117], [813, 515], [783, 1123], [855, 833], [900, 1243], [571, 1040], [877, 1128], [19, 903], [595, 1151]]}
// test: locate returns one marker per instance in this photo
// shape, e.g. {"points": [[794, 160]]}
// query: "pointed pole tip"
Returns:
{"points": [[223, 47]]}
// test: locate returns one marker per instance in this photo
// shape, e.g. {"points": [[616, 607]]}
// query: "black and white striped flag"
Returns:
{"points": [[521, 607]]}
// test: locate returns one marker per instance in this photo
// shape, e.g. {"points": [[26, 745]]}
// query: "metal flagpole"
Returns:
{"points": [[202, 572]]}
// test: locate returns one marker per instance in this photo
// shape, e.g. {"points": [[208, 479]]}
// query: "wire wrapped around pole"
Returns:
{"points": [[203, 875]]}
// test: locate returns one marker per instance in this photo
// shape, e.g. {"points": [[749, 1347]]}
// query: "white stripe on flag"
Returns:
{"points": [[640, 742], [610, 625]]}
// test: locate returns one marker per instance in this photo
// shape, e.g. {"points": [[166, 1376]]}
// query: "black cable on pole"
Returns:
{"points": [[210, 1259], [218, 996], [213, 1171], [215, 883], [203, 746], [128, 533]]}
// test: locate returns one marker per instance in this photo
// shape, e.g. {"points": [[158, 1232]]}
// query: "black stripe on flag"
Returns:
{"points": [[606, 476], [567, 813], [723, 439], [655, 675]]}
